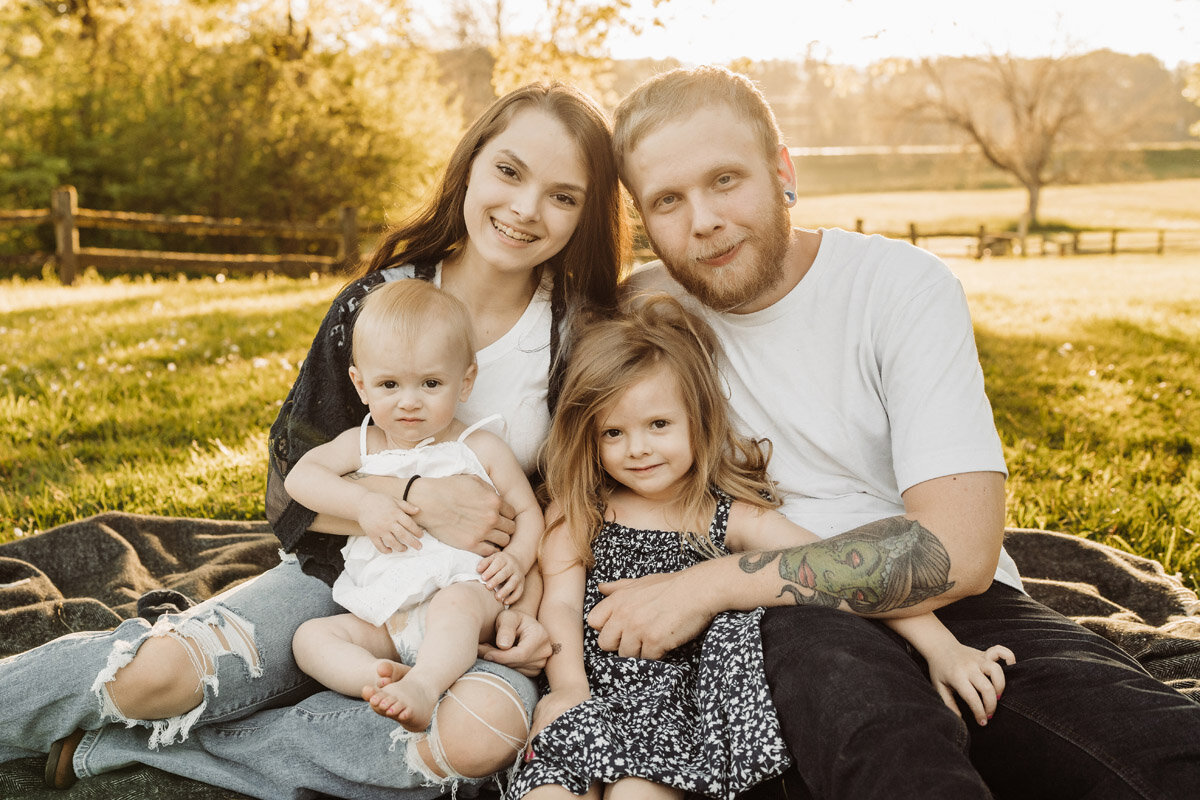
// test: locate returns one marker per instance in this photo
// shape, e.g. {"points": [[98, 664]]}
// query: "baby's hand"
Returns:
{"points": [[503, 575], [386, 522], [973, 675]]}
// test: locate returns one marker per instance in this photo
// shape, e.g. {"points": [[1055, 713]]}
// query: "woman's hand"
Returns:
{"points": [[975, 676], [521, 643], [386, 522], [552, 706], [463, 511]]}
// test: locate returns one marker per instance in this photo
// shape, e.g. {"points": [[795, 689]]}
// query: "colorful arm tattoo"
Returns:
{"points": [[887, 564]]}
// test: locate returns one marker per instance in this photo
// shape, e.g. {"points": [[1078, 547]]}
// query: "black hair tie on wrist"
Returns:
{"points": [[408, 486]]}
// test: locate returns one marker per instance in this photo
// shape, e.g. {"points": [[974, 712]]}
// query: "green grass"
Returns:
{"points": [[155, 396], [145, 396], [1093, 368]]}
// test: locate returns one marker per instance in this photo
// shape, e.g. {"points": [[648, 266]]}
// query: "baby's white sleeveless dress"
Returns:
{"points": [[392, 589]]}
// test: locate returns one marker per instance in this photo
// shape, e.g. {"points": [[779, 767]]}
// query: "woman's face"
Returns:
{"points": [[525, 194]]}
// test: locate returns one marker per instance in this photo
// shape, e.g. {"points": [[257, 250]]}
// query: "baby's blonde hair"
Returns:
{"points": [[607, 357], [406, 311]]}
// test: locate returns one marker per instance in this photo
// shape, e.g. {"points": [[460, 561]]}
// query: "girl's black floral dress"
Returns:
{"points": [[700, 719]]}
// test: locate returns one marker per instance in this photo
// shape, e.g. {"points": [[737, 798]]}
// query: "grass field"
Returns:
{"points": [[155, 396]]}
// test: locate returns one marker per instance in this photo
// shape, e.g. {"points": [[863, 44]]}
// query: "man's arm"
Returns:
{"points": [[945, 547]]}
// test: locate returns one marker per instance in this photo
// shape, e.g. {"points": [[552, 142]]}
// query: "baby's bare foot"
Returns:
{"points": [[408, 702], [389, 672]]}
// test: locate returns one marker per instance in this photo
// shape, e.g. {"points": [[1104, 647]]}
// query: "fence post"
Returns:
{"points": [[64, 202], [348, 248], [912, 232], [1023, 234], [1112, 244], [858, 225], [1162, 242], [982, 238]]}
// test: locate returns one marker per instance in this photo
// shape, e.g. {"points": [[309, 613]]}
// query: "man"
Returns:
{"points": [[855, 357]]}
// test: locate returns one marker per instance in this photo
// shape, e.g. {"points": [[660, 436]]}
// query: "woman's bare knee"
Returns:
{"points": [[160, 681], [471, 747]]}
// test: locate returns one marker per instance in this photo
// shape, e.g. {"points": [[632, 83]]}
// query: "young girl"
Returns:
{"points": [[412, 600], [646, 475]]}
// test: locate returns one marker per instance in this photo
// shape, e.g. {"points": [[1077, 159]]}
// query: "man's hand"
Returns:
{"points": [[463, 511], [521, 643], [647, 617]]}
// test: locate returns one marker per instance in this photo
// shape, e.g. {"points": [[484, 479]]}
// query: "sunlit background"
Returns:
{"points": [[861, 31]]}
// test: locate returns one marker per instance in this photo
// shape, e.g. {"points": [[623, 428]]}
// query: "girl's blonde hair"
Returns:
{"points": [[407, 311], [607, 357]]}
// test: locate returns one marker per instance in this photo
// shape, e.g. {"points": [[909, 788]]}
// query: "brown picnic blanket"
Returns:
{"points": [[88, 575]]}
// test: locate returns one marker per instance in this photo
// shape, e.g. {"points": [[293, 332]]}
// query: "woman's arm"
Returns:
{"points": [[459, 510]]}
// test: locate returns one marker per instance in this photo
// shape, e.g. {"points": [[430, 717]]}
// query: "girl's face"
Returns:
{"points": [[645, 437], [524, 195], [413, 392]]}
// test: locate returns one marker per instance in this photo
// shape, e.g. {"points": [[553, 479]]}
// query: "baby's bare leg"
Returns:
{"points": [[343, 652], [459, 617], [639, 788]]}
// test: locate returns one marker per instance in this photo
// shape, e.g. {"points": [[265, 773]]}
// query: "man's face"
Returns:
{"points": [[713, 206]]}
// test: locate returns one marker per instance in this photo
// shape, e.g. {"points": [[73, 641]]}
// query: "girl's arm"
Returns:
{"points": [[504, 572], [954, 668], [561, 613], [316, 482]]}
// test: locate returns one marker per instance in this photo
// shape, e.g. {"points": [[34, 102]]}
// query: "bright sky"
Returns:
{"points": [[861, 31]]}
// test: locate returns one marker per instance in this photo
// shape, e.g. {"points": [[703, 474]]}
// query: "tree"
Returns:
{"points": [[1020, 113], [568, 41], [1192, 92], [218, 107]]}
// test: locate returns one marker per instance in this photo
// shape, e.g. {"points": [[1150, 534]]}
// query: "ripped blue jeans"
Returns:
{"points": [[264, 728]]}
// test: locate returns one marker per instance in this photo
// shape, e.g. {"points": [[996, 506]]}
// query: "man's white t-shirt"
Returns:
{"points": [[865, 378]]}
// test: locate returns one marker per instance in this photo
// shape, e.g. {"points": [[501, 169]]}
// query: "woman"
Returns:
{"points": [[525, 227]]}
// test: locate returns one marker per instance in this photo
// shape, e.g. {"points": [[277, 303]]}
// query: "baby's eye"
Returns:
{"points": [[431, 383], [389, 384]]}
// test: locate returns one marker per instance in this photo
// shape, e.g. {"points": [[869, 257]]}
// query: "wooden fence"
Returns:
{"points": [[67, 217], [982, 242]]}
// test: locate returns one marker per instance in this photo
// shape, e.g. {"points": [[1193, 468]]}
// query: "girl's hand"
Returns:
{"points": [[522, 643], [503, 575], [553, 705], [975, 676], [386, 522]]}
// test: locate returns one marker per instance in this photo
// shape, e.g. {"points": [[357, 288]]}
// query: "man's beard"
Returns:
{"points": [[750, 281]]}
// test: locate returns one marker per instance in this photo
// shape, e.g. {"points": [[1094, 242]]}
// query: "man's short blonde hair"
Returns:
{"points": [[682, 92]]}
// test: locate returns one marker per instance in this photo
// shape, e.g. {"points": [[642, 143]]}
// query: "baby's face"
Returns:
{"points": [[412, 388]]}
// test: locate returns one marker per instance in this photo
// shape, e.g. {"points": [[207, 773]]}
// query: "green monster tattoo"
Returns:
{"points": [[891, 563]]}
